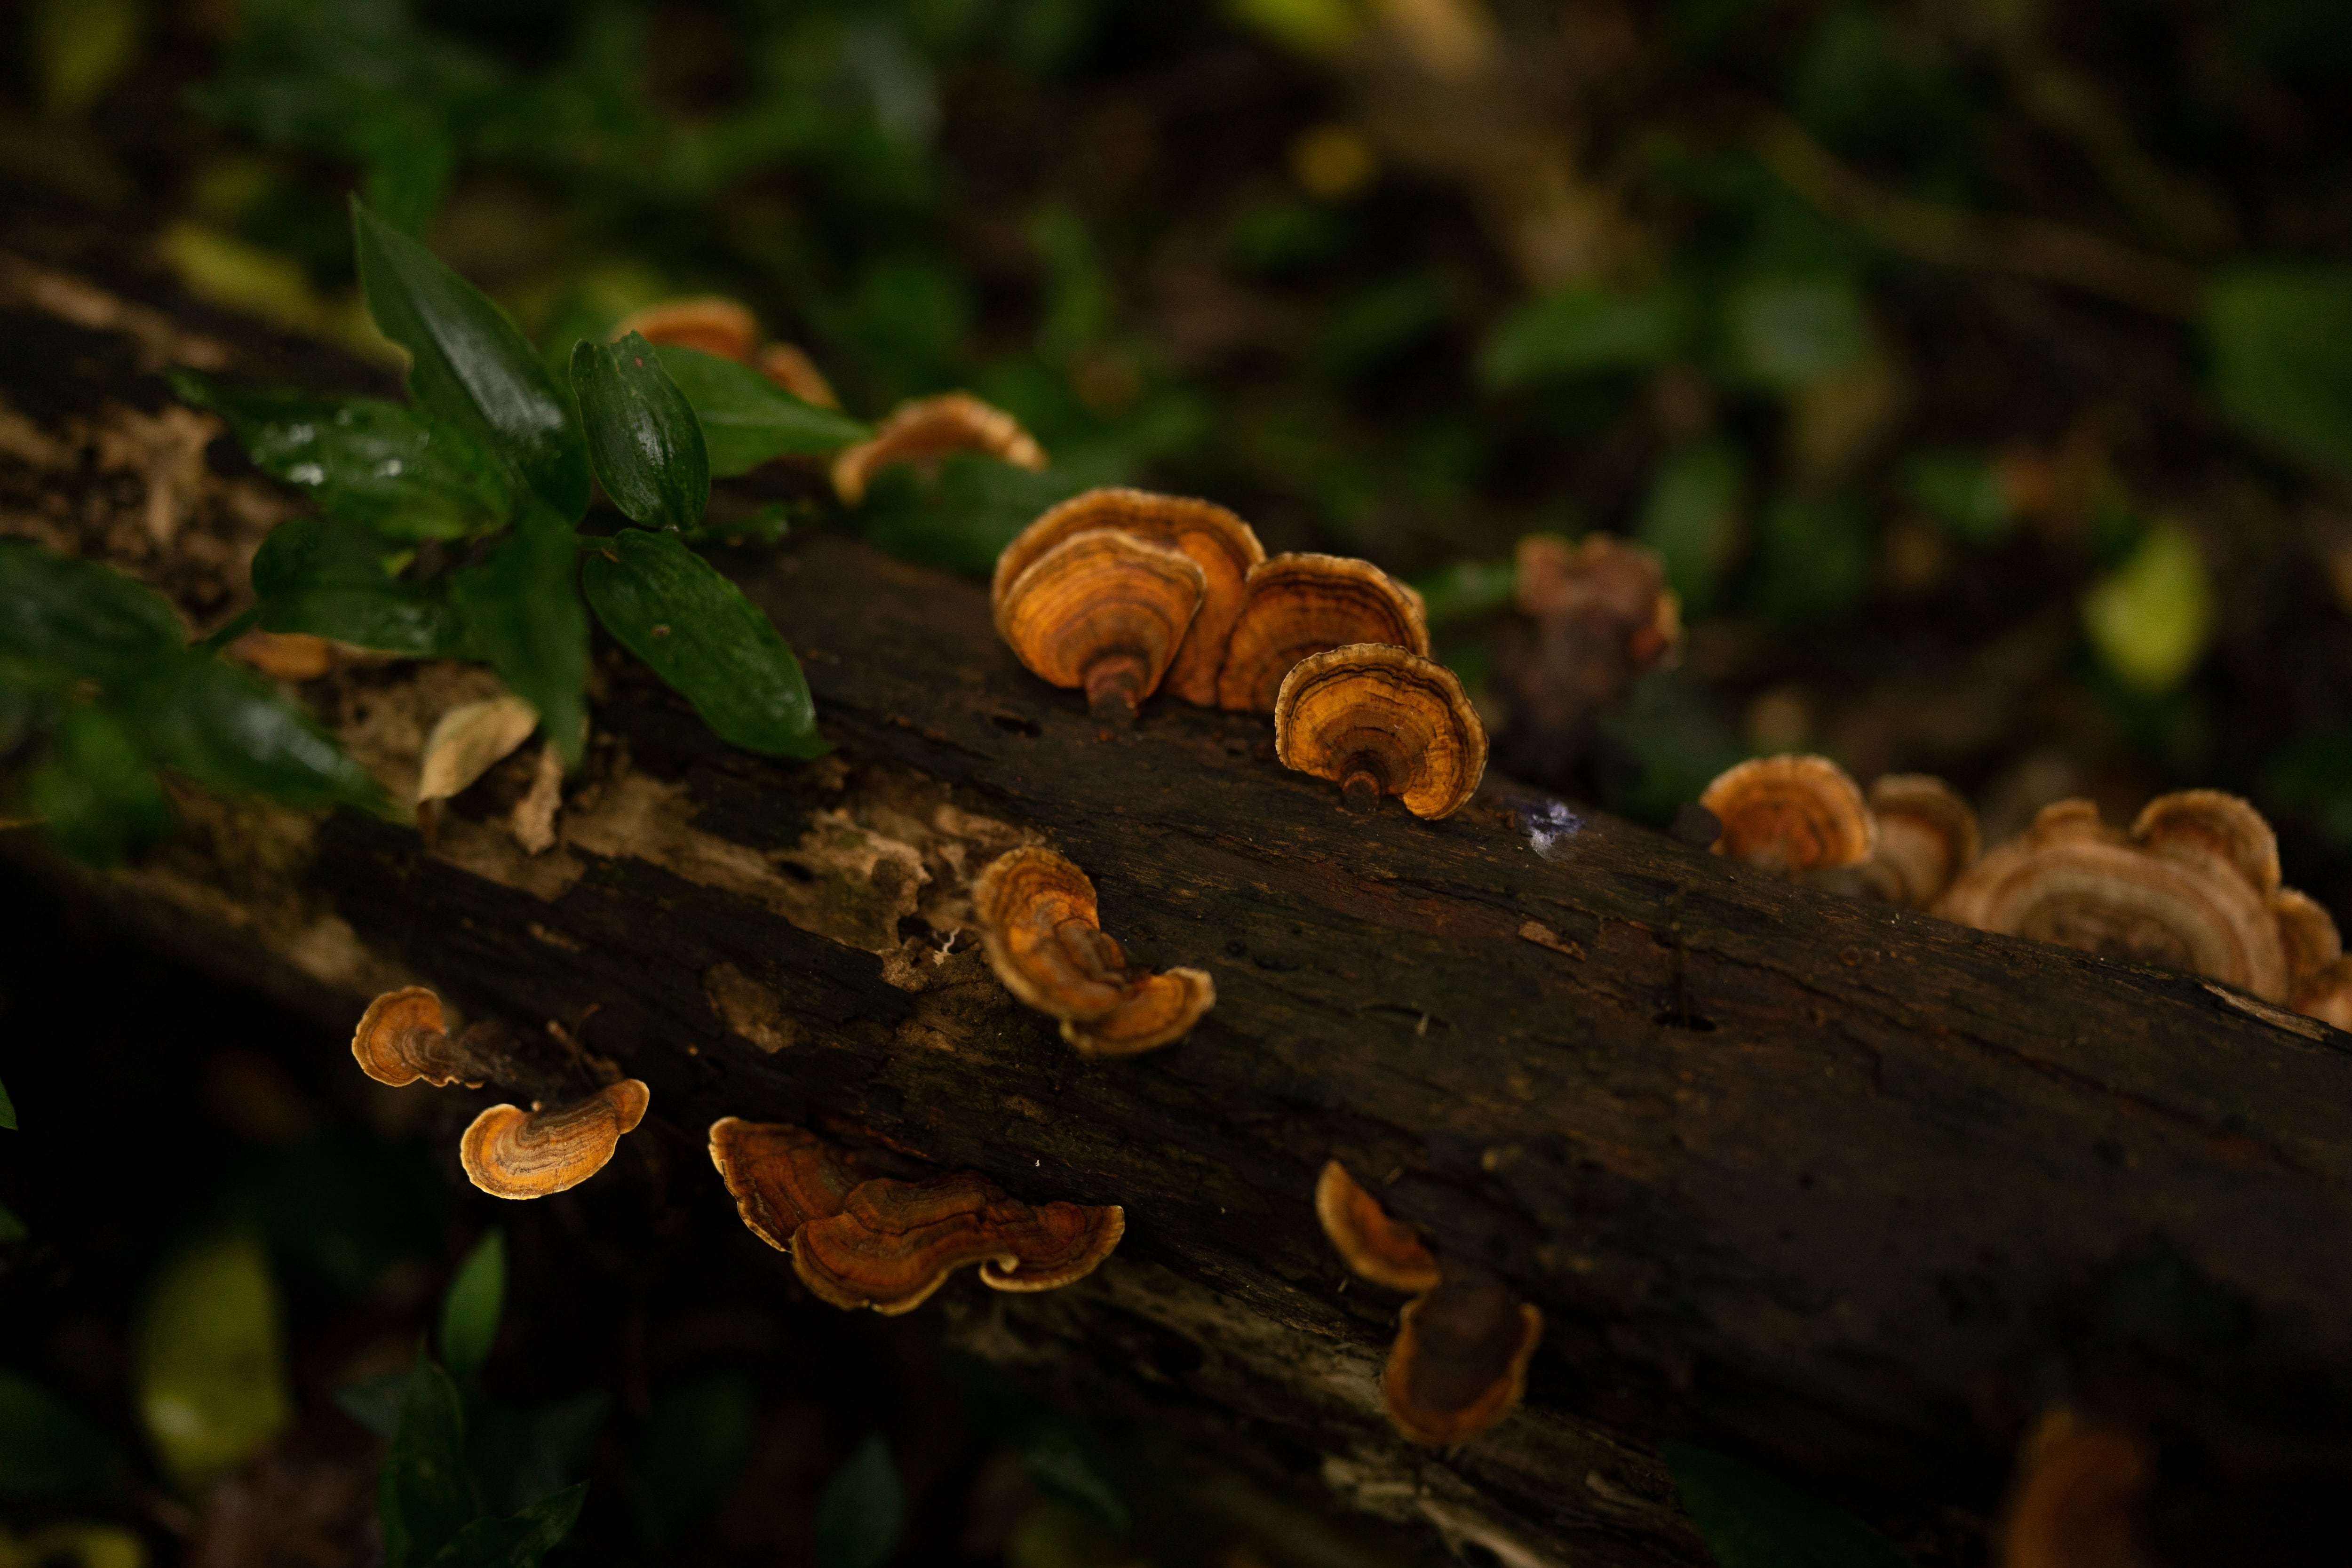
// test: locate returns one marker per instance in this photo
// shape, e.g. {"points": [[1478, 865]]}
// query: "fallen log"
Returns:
{"points": [[1849, 1191]]}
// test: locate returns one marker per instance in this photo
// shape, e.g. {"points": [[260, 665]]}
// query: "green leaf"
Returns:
{"points": [[97, 792], [395, 471], [209, 1359], [863, 1510], [424, 1494], [45, 1448], [1789, 334], [1581, 331], [676, 612], [2281, 344], [81, 48], [229, 730], [64, 618], [643, 436], [1751, 1521], [1692, 519], [1466, 591], [2150, 617], [471, 365], [746, 418], [333, 579], [519, 1541], [1965, 493], [7, 1110], [469, 1313], [521, 612], [11, 1228]]}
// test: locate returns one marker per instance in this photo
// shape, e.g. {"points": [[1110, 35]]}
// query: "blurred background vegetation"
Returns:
{"points": [[1982, 369]]}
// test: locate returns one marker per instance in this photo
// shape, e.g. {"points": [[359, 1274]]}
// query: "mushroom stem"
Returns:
{"points": [[1114, 683], [1361, 786]]}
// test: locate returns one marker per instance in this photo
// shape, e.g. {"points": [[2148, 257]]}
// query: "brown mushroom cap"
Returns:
{"points": [[797, 374], [1377, 720], [1051, 1244], [1460, 1361], [711, 322], [510, 1152], [1038, 924], [1219, 544], [2206, 824], [403, 1038], [933, 428], [1790, 813], [1381, 1249], [1103, 612], [1296, 605], [1605, 582], [780, 1177], [2326, 994], [894, 1243], [2072, 880], [1926, 838], [2076, 1498], [1158, 1010]]}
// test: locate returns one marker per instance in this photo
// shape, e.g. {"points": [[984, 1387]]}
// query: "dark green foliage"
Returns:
{"points": [[1751, 1521], [228, 731], [2280, 344], [97, 790], [695, 1447], [425, 1495], [45, 1448], [469, 1313], [61, 619], [747, 419], [863, 1511], [644, 440], [335, 579], [1581, 331], [521, 612], [518, 1542]]}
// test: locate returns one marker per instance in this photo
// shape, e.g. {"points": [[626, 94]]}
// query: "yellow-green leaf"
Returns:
{"points": [[210, 1361], [2149, 618]]}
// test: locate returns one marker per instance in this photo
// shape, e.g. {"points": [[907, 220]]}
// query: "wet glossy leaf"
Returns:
{"points": [[2280, 344], [747, 419], [1580, 332], [522, 611], [61, 618], [676, 612], [424, 1494], [1751, 1521], [46, 1447], [863, 1510], [96, 791], [1789, 333], [2149, 618], [643, 436], [230, 730], [333, 579], [469, 1313], [209, 1359], [519, 1541], [471, 365], [1692, 519], [395, 470]]}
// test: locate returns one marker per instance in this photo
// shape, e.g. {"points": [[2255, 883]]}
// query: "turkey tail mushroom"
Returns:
{"points": [[1297, 605], [1105, 613], [1377, 721], [510, 1152], [1791, 813], [927, 428]]}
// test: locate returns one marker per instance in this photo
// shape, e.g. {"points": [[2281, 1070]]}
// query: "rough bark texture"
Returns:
{"points": [[1847, 1191]]}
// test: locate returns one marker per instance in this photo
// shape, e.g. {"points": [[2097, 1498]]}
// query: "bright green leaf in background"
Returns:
{"points": [[1581, 331], [682, 617], [334, 579], [96, 792], [395, 470], [469, 1314], [80, 46], [642, 438], [209, 1359], [1964, 492], [1789, 334], [2281, 344], [1692, 519], [65, 619], [747, 419], [74, 1544], [424, 1494], [45, 1448], [2149, 618], [521, 612], [471, 366], [519, 1541], [863, 1510], [1751, 1521], [229, 730]]}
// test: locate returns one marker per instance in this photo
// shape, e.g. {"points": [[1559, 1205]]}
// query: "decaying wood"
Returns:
{"points": [[1847, 1191]]}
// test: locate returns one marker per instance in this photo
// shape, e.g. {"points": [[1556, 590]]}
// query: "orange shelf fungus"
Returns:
{"points": [[403, 1038], [1223, 546], [1378, 720], [932, 428], [510, 1152], [1790, 813], [1605, 588], [1104, 612], [1926, 838], [2075, 1499], [894, 1243], [1379, 1248], [1043, 937], [780, 1177], [727, 328], [1297, 605], [1460, 1361]]}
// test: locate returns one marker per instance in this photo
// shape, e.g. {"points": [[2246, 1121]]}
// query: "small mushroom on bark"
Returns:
{"points": [[1380, 1249], [1790, 813], [1039, 924], [403, 1038], [1926, 838], [1223, 546], [1460, 1361], [1591, 618], [780, 1177], [2075, 1499], [1105, 613], [894, 1243], [510, 1152], [1296, 605], [928, 428], [1377, 720]]}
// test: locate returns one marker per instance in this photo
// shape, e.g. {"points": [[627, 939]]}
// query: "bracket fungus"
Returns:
{"points": [[1105, 613], [894, 1243], [1039, 924], [403, 1038], [1926, 838], [510, 1152], [781, 1176], [1790, 813], [1380, 1249], [926, 428], [1460, 1361], [1377, 720], [1593, 618], [1300, 604], [2076, 1498], [1223, 546]]}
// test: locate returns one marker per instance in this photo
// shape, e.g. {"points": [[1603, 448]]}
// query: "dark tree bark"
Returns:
{"points": [[1849, 1191]]}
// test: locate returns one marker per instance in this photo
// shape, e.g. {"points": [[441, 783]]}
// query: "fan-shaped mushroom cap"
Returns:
{"points": [[1221, 545], [2182, 901], [1377, 720], [1460, 1361], [780, 1177], [2326, 994], [894, 1243], [1038, 924], [711, 322], [1605, 582], [2205, 823], [1158, 1010], [1103, 612], [1376, 1246], [510, 1152], [933, 428], [2075, 1499], [403, 1038], [1790, 813], [1926, 838], [1300, 604], [797, 374]]}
